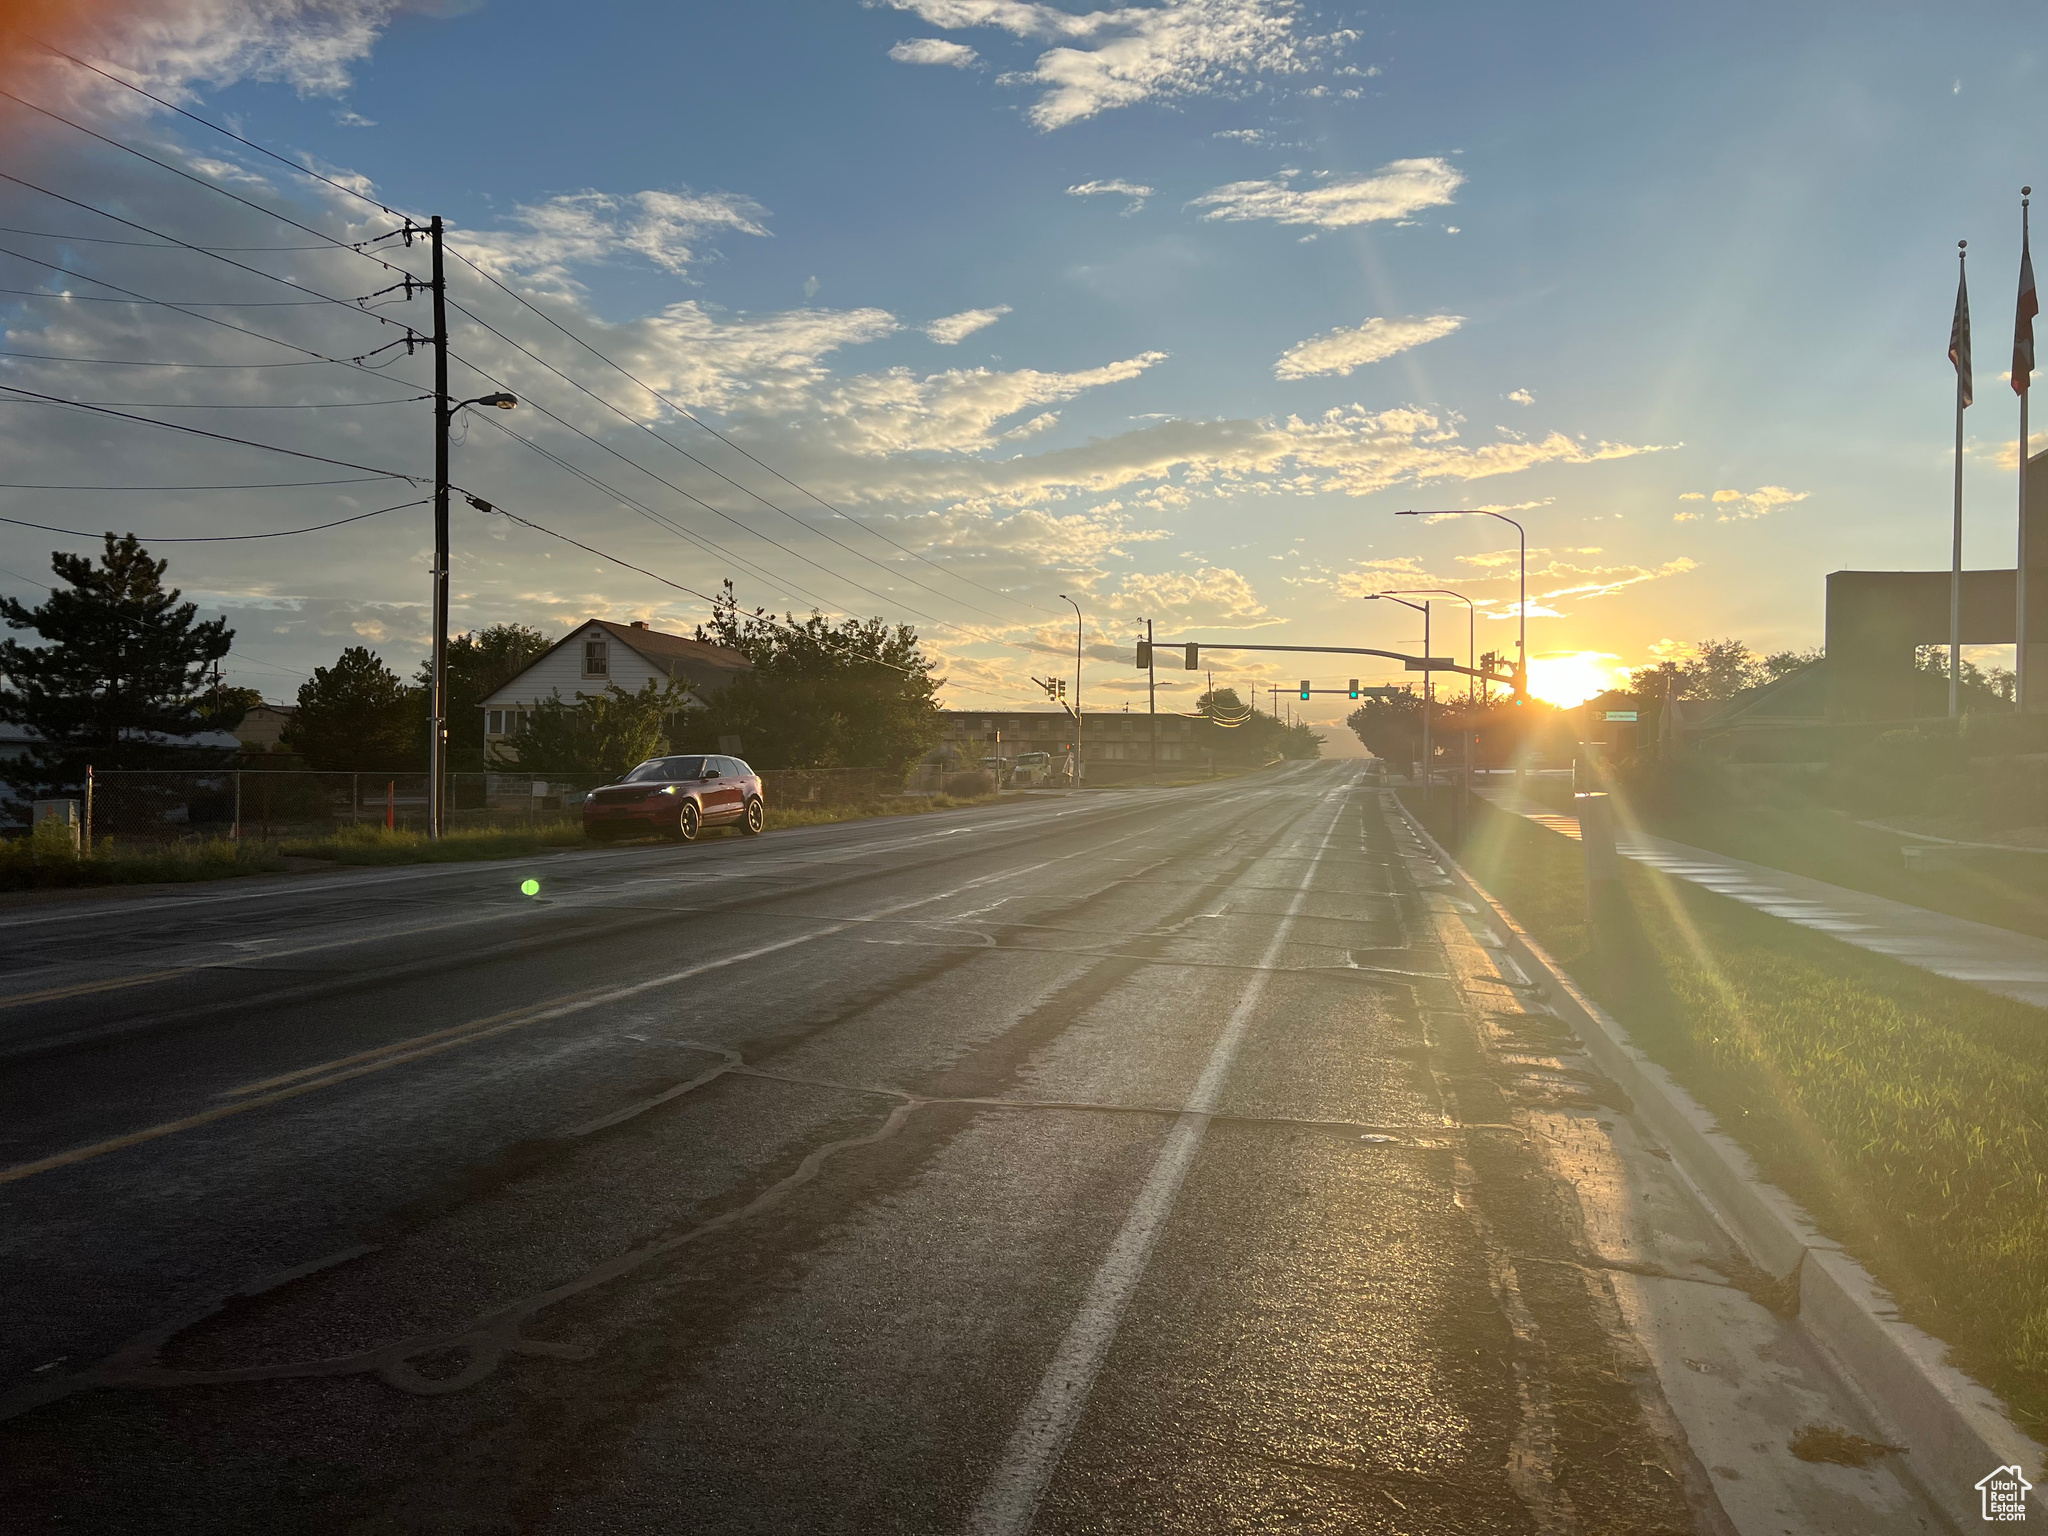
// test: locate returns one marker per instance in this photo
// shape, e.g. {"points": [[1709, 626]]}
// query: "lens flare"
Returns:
{"points": [[1574, 677], [529, 887]]}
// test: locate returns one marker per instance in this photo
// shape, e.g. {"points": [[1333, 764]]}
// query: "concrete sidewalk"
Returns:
{"points": [[1999, 960]]}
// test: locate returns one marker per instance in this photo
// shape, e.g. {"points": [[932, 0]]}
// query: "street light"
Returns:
{"points": [[1522, 599], [1428, 677], [1079, 745], [437, 726], [1471, 627]]}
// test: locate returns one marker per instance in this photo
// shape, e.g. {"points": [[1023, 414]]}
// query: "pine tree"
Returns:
{"points": [[119, 675], [356, 714]]}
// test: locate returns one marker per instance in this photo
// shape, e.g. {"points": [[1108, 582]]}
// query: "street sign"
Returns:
{"points": [[1621, 714], [1432, 664], [1386, 692]]}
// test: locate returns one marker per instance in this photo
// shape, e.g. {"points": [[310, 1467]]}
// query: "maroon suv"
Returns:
{"points": [[677, 797]]}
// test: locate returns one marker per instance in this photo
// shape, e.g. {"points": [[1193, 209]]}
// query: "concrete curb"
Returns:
{"points": [[1954, 1429]]}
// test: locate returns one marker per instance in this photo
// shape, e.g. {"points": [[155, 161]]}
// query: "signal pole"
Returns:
{"points": [[1152, 697]]}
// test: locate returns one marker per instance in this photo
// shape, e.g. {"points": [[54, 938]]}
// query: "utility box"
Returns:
{"points": [[57, 821]]}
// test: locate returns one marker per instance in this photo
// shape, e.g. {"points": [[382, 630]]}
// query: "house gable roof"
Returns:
{"points": [[672, 655]]}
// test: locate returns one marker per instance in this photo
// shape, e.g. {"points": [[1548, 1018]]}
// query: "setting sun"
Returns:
{"points": [[1573, 678]]}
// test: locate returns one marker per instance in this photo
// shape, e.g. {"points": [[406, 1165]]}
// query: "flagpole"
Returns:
{"points": [[1955, 569], [2022, 381]]}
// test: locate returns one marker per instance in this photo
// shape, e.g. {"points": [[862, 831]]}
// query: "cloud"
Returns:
{"points": [[1344, 349], [953, 329], [581, 228], [1552, 581], [1116, 58], [1744, 506], [1521, 397], [1397, 190], [934, 50], [1129, 189]]}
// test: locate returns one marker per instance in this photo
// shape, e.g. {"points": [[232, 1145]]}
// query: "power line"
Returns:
{"points": [[318, 234], [151, 245], [355, 192], [93, 298], [210, 254], [224, 538], [690, 416], [497, 511], [127, 362], [172, 426], [259, 485], [359, 195], [677, 448], [179, 405]]}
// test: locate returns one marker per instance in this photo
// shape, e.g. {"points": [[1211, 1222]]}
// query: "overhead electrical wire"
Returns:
{"points": [[172, 426], [357, 248], [361, 196], [129, 362], [257, 485], [151, 245], [225, 538], [93, 298], [214, 405]]}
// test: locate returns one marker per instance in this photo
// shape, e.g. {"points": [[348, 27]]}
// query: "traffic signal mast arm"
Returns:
{"points": [[1193, 648]]}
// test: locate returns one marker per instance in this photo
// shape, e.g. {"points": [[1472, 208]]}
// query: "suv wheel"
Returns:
{"points": [[754, 818], [688, 820]]}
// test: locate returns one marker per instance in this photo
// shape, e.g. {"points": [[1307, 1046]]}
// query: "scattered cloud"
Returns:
{"points": [[1347, 348], [1397, 190], [1521, 397], [954, 329], [581, 228], [934, 50], [1102, 60], [1744, 506], [1129, 189]]}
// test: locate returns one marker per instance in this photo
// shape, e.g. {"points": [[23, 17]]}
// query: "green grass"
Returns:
{"points": [[369, 844], [21, 869], [1907, 1112]]}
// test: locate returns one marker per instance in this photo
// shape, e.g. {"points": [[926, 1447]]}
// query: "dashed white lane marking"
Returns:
{"points": [[1009, 1501]]}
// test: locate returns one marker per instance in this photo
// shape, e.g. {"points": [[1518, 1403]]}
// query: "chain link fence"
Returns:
{"points": [[267, 805]]}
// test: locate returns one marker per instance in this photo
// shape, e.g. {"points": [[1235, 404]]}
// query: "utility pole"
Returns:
{"points": [[437, 732]]}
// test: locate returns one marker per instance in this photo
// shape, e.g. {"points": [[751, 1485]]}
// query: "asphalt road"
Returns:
{"points": [[1121, 1162]]}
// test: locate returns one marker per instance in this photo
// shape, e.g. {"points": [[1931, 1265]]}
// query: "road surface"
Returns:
{"points": [[1172, 1161]]}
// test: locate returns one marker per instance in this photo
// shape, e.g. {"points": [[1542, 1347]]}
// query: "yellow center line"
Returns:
{"points": [[80, 989]]}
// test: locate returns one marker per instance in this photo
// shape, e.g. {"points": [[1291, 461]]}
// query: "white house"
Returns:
{"points": [[597, 654]]}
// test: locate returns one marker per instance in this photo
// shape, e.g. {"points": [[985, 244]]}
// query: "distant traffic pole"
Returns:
{"points": [[1152, 697], [1471, 630], [2022, 381], [1080, 746], [1522, 592], [437, 730], [1427, 674]]}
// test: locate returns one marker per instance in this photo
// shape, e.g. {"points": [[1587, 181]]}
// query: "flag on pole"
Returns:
{"points": [[2023, 323], [1959, 342]]}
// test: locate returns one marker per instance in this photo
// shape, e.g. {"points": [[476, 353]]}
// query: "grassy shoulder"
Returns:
{"points": [[22, 869], [1907, 1112]]}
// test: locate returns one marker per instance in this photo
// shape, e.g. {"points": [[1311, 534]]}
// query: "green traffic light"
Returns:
{"points": [[529, 887]]}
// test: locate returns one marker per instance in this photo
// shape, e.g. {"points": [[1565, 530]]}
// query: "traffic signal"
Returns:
{"points": [[1144, 655], [1304, 690], [1063, 688], [1354, 687], [1194, 663]]}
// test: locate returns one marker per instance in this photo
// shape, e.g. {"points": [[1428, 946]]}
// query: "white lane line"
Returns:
{"points": [[1009, 1501]]}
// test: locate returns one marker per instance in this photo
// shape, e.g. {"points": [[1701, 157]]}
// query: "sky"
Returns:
{"points": [[940, 309]]}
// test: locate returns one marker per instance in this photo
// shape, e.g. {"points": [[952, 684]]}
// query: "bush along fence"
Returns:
{"points": [[142, 807]]}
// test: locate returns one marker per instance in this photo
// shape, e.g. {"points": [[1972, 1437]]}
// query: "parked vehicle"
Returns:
{"points": [[676, 798]]}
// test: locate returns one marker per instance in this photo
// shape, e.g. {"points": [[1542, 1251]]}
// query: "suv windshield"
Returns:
{"points": [[661, 769]]}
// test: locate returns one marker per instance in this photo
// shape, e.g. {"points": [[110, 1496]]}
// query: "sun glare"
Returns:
{"points": [[1574, 678]]}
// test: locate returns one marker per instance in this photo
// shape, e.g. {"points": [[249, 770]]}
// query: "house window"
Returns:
{"points": [[494, 722], [596, 658]]}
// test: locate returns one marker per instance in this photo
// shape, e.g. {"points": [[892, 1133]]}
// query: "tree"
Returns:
{"points": [[1390, 728], [1781, 664], [120, 674], [1717, 669], [223, 708], [857, 694], [356, 714], [604, 732], [479, 664]]}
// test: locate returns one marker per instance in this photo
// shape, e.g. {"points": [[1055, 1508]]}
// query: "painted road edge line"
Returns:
{"points": [[1955, 1428]]}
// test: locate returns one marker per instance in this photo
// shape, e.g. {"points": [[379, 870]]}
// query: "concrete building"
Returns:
{"points": [[262, 728], [1876, 618], [599, 654]]}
